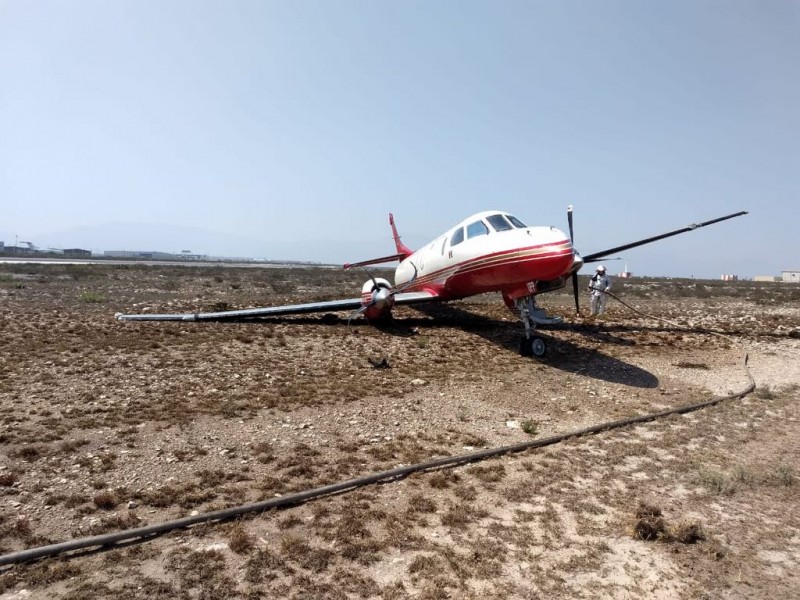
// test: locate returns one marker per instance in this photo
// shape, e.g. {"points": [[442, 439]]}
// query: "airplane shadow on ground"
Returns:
{"points": [[562, 354]]}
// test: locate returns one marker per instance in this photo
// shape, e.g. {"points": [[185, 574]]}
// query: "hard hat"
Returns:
{"points": [[601, 268]]}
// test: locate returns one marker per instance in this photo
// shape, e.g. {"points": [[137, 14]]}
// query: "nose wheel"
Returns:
{"points": [[534, 346]]}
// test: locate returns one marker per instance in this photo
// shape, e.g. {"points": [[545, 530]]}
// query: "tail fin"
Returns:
{"points": [[402, 249]]}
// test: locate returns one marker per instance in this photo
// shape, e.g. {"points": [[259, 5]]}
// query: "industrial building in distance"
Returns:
{"points": [[792, 276], [28, 249]]}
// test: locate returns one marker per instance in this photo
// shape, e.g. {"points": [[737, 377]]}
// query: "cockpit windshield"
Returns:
{"points": [[504, 222], [516, 222], [499, 223]]}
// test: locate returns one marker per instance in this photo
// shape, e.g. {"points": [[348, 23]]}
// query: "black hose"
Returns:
{"points": [[299, 497]]}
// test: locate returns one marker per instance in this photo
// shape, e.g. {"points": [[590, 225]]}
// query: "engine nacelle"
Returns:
{"points": [[377, 296]]}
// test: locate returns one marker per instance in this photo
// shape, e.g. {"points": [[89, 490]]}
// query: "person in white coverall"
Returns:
{"points": [[598, 285]]}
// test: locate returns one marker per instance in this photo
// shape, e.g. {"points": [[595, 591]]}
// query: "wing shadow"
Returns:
{"points": [[562, 354]]}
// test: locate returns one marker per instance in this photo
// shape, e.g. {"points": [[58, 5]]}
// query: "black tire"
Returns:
{"points": [[538, 347], [525, 347]]}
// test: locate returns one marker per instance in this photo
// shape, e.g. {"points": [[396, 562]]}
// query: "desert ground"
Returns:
{"points": [[108, 425]]}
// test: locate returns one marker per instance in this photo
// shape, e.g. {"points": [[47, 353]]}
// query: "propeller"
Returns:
{"points": [[381, 294], [574, 273]]}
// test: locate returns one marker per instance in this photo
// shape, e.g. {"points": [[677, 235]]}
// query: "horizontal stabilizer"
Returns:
{"points": [[375, 261]]}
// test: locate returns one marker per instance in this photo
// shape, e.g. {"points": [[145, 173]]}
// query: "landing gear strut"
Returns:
{"points": [[532, 315]]}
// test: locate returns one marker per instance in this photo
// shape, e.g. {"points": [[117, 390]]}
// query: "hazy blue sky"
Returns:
{"points": [[273, 127]]}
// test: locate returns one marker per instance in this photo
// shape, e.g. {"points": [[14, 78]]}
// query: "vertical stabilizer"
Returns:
{"points": [[402, 249]]}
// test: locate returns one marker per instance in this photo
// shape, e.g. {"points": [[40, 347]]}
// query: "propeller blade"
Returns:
{"points": [[597, 256], [575, 292], [375, 285], [569, 220], [355, 313], [409, 282]]}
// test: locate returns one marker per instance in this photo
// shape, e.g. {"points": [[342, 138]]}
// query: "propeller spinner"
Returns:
{"points": [[382, 295]]}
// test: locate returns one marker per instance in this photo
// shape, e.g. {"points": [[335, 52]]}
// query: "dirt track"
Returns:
{"points": [[109, 425]]}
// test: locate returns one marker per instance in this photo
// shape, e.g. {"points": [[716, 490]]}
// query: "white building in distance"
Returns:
{"points": [[790, 276]]}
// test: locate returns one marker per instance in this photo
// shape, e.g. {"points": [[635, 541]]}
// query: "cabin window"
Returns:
{"points": [[516, 222], [444, 243], [499, 223], [477, 228], [457, 238]]}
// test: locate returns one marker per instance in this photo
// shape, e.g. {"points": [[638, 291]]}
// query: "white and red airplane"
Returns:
{"points": [[490, 251]]}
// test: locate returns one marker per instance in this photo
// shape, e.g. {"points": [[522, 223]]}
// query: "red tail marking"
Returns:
{"points": [[402, 249]]}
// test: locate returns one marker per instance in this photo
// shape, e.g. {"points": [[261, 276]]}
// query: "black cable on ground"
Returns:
{"points": [[141, 533]]}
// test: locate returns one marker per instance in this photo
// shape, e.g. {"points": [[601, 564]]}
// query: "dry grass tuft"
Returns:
{"points": [[298, 550], [240, 541], [421, 503], [262, 566], [41, 574], [28, 453], [687, 532], [8, 478], [649, 524], [105, 500]]}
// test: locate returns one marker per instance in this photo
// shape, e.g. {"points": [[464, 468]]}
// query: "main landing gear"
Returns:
{"points": [[532, 315]]}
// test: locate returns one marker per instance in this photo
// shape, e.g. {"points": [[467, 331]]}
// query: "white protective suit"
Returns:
{"points": [[599, 283]]}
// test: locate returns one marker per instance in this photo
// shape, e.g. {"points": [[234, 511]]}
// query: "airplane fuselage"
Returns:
{"points": [[488, 252]]}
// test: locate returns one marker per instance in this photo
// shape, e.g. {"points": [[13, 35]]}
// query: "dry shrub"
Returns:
{"points": [[425, 564], [466, 492], [48, 572], [8, 478], [116, 522], [105, 500], [462, 514], [262, 566], [442, 479], [21, 528], [421, 503], [649, 524], [240, 541], [307, 556], [488, 474], [687, 532], [29, 453]]}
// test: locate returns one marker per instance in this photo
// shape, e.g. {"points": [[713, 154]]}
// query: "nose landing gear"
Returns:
{"points": [[532, 315]]}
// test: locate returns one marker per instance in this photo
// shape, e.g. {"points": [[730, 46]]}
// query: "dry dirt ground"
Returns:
{"points": [[106, 425]]}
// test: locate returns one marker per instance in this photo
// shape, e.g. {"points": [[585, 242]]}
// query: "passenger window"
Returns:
{"points": [[477, 228], [499, 223], [457, 238], [516, 222]]}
